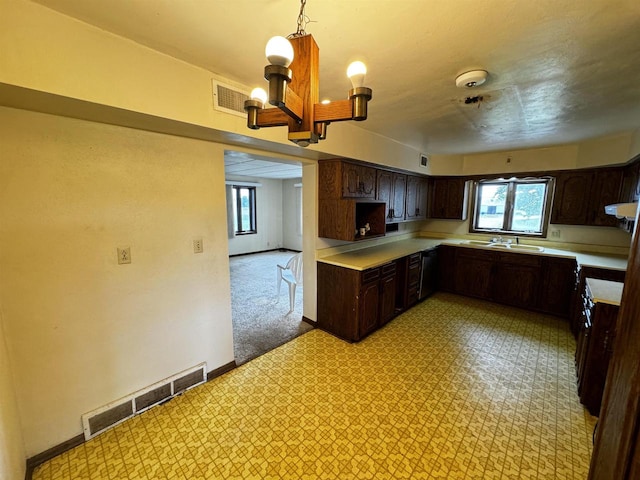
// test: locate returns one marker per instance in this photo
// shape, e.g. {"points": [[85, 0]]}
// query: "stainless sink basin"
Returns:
{"points": [[480, 243], [530, 248]]}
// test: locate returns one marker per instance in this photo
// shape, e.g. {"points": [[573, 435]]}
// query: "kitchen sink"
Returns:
{"points": [[506, 246], [530, 248]]}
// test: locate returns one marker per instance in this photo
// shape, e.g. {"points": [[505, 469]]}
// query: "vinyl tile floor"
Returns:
{"points": [[454, 388]]}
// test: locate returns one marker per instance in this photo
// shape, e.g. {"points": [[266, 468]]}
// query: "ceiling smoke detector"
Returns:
{"points": [[471, 79]]}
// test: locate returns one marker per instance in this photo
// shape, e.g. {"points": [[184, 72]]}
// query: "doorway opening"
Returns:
{"points": [[264, 223]]}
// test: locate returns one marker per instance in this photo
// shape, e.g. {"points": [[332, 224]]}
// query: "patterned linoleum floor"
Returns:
{"points": [[454, 388]]}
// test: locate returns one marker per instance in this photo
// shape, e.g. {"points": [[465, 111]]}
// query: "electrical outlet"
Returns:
{"points": [[197, 246], [555, 233], [124, 255]]}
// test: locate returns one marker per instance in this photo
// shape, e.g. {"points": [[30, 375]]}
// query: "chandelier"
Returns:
{"points": [[294, 86]]}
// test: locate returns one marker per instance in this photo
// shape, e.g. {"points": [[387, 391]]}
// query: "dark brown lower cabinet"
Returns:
{"points": [[616, 451], [515, 280], [369, 306], [388, 282], [447, 268], [557, 286], [410, 274], [534, 282], [473, 273], [575, 319], [594, 351], [352, 303]]}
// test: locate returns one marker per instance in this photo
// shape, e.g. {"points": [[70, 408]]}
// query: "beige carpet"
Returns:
{"points": [[260, 319]]}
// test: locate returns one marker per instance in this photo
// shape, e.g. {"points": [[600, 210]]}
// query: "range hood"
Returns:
{"points": [[622, 210]]}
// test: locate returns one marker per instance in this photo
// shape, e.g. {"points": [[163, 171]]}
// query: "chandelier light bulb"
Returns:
{"points": [[279, 51], [356, 72], [259, 94]]}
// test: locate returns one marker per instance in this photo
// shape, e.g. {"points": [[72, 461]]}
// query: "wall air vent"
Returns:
{"points": [[229, 99], [110, 415]]}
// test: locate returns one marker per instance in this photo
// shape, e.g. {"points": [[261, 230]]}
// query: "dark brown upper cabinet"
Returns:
{"points": [[346, 201], [416, 199], [448, 198], [353, 196], [391, 189], [581, 195], [358, 181]]}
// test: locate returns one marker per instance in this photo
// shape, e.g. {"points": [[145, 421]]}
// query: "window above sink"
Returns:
{"points": [[511, 206]]}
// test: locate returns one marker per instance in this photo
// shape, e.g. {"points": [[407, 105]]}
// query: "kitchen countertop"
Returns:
{"points": [[370, 257], [605, 291]]}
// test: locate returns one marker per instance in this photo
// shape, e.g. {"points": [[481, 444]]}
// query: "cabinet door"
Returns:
{"points": [[399, 192], [456, 199], [557, 286], [369, 307], [515, 284], [447, 268], [416, 198], [438, 198], [387, 299], [391, 188], [448, 198], [473, 273], [598, 355], [384, 192], [338, 305], [605, 190], [628, 191], [571, 199], [358, 181]]}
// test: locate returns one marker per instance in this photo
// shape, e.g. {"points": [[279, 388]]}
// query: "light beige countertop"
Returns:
{"points": [[370, 257], [605, 291], [377, 255]]}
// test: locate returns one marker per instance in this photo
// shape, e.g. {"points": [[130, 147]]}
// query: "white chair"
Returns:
{"points": [[292, 274]]}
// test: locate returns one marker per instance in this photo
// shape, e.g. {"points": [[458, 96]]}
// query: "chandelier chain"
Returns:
{"points": [[302, 21]]}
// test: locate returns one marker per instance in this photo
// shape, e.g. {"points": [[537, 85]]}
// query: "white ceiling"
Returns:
{"points": [[560, 71], [243, 164]]}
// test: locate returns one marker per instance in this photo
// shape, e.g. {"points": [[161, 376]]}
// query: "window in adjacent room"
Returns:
{"points": [[244, 215], [514, 206]]}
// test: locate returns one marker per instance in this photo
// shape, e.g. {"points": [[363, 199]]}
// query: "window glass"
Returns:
{"points": [[516, 206], [528, 207], [492, 199], [244, 218]]}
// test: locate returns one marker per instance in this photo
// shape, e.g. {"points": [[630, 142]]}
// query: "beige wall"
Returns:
{"points": [[291, 220], [82, 330], [609, 150], [268, 218], [592, 238], [12, 453], [57, 54]]}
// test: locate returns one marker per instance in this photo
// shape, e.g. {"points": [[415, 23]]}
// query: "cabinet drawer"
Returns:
{"points": [[388, 269], [412, 295], [370, 275], [413, 276], [414, 258]]}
